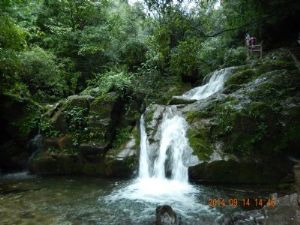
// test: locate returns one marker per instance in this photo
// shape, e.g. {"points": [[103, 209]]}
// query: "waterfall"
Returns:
{"points": [[215, 84], [144, 159], [173, 138], [164, 161], [173, 142]]}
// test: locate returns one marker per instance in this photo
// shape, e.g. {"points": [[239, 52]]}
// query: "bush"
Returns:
{"points": [[211, 54], [42, 75], [184, 61], [120, 82], [235, 56], [11, 35], [133, 54]]}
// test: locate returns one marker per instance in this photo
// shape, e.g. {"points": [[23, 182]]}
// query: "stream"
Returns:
{"points": [[26, 199]]}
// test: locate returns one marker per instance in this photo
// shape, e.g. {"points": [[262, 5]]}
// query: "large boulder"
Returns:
{"points": [[88, 135]]}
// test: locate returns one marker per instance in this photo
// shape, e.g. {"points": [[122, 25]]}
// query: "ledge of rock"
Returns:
{"points": [[240, 172], [178, 100]]}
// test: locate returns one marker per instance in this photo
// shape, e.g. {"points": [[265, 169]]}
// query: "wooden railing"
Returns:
{"points": [[255, 49]]}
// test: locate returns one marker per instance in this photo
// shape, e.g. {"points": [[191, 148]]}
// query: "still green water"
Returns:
{"points": [[28, 199]]}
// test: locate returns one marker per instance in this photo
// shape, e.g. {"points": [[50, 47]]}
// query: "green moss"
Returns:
{"points": [[199, 141], [241, 77], [103, 105], [196, 115], [122, 136]]}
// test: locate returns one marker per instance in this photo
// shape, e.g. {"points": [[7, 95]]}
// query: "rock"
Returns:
{"points": [[123, 161], [165, 215], [178, 100], [240, 172], [285, 212], [92, 149], [66, 163]]}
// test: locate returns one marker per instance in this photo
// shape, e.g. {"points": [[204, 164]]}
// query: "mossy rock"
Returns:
{"points": [[63, 163], [200, 143], [115, 168], [244, 172], [81, 101], [241, 77], [103, 105], [177, 100]]}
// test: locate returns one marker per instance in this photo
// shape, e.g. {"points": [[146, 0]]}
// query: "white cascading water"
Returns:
{"points": [[152, 184], [215, 84], [173, 139], [144, 159]]}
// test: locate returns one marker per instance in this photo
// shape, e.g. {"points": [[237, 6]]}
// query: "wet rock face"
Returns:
{"points": [[285, 212], [165, 215]]}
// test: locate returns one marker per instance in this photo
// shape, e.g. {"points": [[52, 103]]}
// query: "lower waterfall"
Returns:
{"points": [[163, 170]]}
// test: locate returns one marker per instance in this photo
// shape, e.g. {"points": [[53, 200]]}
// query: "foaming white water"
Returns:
{"points": [[144, 159], [152, 186], [16, 176], [173, 139], [181, 196], [215, 84]]}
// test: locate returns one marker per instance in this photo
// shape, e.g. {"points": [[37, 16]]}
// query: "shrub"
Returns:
{"points": [[235, 56], [184, 61], [42, 75], [120, 82], [133, 54]]}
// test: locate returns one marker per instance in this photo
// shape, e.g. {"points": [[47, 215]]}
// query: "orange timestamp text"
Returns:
{"points": [[244, 202]]}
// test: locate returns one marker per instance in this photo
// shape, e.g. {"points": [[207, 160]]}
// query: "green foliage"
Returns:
{"points": [[76, 119], [42, 75], [185, 61], [77, 123], [122, 135], [121, 82], [11, 35], [235, 56], [211, 54], [46, 127], [133, 54]]}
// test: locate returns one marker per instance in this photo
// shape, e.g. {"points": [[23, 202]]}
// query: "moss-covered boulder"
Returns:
{"points": [[88, 133]]}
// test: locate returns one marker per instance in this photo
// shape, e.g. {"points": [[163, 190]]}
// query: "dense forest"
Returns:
{"points": [[76, 77]]}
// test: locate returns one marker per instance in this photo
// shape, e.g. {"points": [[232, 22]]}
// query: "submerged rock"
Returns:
{"points": [[165, 215]]}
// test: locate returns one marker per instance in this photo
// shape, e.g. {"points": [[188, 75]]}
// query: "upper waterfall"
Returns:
{"points": [[215, 84]]}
